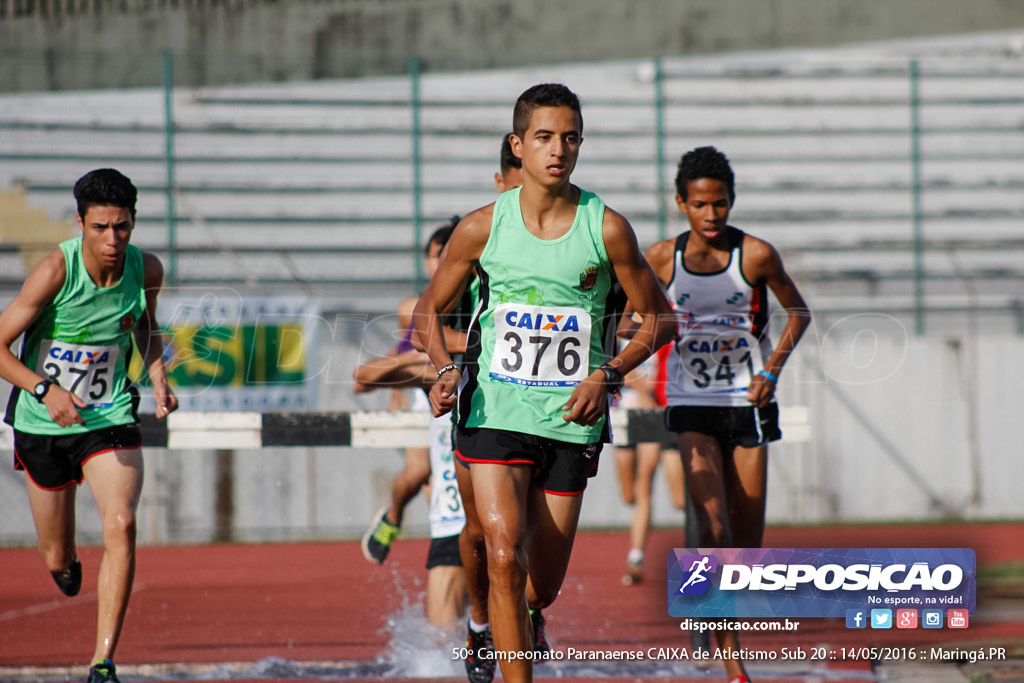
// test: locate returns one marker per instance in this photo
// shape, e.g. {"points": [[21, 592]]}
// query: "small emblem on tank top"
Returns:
{"points": [[734, 298], [588, 278]]}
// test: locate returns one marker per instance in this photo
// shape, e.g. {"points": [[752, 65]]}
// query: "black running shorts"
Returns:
{"points": [[744, 426], [444, 552], [53, 462], [558, 466]]}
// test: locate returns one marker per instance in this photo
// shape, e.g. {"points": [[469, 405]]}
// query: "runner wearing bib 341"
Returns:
{"points": [[721, 381], [722, 335]]}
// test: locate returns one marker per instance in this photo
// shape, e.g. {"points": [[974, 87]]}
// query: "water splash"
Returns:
{"points": [[419, 649]]}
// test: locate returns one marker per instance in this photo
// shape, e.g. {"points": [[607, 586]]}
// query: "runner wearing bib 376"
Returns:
{"points": [[534, 397], [721, 380]]}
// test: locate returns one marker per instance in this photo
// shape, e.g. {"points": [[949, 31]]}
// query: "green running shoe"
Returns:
{"points": [[378, 538]]}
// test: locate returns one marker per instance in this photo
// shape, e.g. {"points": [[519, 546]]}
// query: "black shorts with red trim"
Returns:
{"points": [[444, 552], [744, 426], [53, 462], [559, 467]]}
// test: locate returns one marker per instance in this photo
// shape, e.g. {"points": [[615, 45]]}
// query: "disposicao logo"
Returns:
{"points": [[775, 582], [697, 581]]}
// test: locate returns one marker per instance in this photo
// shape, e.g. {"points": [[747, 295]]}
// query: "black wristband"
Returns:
{"points": [[42, 389], [612, 378]]}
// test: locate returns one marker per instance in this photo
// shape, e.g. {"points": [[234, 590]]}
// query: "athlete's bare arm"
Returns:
{"points": [[453, 274], [762, 263], [659, 257], [588, 401], [40, 288], [404, 312], [150, 340]]}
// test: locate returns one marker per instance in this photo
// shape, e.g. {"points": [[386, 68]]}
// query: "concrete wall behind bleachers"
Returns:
{"points": [[282, 41]]}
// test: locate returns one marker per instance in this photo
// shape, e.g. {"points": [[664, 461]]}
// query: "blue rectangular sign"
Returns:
{"points": [[817, 582]]}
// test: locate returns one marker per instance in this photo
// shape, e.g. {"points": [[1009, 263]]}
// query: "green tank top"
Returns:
{"points": [[83, 340], [539, 325]]}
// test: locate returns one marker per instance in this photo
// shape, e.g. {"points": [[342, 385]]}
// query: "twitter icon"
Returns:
{"points": [[881, 618]]}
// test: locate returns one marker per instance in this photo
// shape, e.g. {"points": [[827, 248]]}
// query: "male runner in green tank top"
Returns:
{"points": [[73, 407], [532, 405]]}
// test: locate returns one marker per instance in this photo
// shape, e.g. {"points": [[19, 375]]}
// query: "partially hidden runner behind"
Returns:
{"points": [[533, 403], [404, 366], [407, 367]]}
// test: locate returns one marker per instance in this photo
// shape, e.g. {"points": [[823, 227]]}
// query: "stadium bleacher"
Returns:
{"points": [[848, 162]]}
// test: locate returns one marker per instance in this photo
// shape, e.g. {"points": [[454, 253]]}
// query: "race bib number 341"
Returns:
{"points": [[547, 346], [84, 370], [722, 363]]}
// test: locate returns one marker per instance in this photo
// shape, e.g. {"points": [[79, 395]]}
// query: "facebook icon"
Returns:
{"points": [[855, 618]]}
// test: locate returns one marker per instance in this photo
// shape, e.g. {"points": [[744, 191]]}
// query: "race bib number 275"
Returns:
{"points": [[541, 345]]}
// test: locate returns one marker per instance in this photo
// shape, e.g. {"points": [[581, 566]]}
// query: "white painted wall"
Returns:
{"points": [[891, 418]]}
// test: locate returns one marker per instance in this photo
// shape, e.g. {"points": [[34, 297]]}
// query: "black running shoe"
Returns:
{"points": [[104, 672], [540, 639], [70, 580], [480, 661]]}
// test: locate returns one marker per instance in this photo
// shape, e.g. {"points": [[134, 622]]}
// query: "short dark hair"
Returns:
{"points": [[543, 95], [508, 159], [442, 234], [705, 162], [105, 187]]}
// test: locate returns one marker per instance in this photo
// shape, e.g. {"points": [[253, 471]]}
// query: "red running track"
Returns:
{"points": [[223, 608]]}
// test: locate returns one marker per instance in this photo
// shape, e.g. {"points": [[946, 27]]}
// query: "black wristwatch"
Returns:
{"points": [[40, 390], [612, 378]]}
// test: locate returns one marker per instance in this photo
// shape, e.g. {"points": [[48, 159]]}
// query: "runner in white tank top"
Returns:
{"points": [[722, 378]]}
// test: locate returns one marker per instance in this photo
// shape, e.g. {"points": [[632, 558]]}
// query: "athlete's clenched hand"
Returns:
{"points": [[588, 402]]}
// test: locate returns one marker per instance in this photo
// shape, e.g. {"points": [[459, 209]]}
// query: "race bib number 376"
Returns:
{"points": [[546, 346], [86, 371]]}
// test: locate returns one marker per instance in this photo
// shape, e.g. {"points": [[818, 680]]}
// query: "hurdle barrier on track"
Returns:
{"points": [[367, 429]]}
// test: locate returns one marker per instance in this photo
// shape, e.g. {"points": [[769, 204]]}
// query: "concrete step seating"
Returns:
{"points": [[282, 186]]}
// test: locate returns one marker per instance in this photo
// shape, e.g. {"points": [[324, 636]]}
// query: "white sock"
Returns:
{"points": [[635, 556], [478, 628]]}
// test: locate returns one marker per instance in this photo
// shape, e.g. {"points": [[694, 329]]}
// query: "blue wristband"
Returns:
{"points": [[769, 376]]}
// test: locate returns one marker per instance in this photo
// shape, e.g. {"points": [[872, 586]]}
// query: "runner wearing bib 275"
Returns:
{"points": [[534, 402], [721, 380], [73, 406]]}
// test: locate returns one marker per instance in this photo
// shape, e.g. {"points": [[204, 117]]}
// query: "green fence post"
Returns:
{"points": [[915, 162], [659, 105], [172, 237], [417, 188]]}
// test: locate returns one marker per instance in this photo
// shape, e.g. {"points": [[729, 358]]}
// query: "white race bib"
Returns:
{"points": [[447, 516], [721, 364], [546, 346], [86, 371]]}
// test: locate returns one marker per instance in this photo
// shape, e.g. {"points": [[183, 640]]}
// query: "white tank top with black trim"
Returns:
{"points": [[722, 329]]}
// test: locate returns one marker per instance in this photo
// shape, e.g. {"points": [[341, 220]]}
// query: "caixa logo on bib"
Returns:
{"points": [[817, 582]]}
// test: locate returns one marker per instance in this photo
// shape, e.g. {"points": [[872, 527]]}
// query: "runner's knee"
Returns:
{"points": [[506, 565], [119, 528]]}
